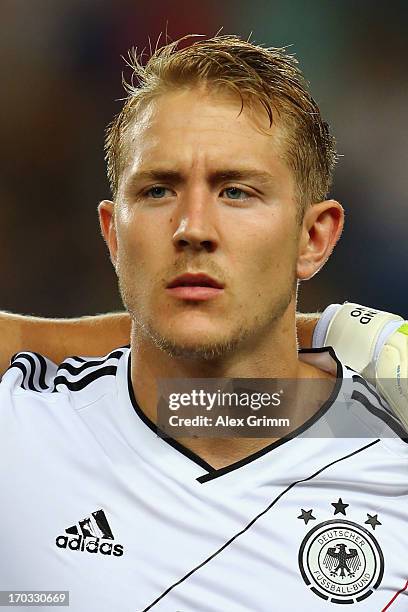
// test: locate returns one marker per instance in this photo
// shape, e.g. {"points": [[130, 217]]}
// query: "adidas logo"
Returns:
{"points": [[88, 536]]}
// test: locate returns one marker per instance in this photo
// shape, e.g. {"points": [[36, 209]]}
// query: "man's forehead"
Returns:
{"points": [[179, 130], [192, 109]]}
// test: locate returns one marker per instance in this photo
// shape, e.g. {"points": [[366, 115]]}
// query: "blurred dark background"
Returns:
{"points": [[61, 80]]}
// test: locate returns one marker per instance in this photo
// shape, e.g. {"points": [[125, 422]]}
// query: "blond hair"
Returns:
{"points": [[269, 76]]}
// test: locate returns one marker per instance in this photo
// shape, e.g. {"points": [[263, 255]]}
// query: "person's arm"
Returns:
{"points": [[59, 338], [91, 336]]}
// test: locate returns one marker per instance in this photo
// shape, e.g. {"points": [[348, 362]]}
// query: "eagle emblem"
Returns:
{"points": [[346, 561], [340, 560]]}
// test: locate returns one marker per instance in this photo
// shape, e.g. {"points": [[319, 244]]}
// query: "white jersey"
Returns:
{"points": [[94, 502]]}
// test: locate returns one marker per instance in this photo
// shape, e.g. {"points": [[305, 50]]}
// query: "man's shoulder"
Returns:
{"points": [[362, 412], [31, 374], [51, 410]]}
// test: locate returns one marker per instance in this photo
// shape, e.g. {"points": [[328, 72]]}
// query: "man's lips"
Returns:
{"points": [[196, 279], [197, 287], [195, 293]]}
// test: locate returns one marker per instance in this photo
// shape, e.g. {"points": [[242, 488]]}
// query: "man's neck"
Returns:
{"points": [[269, 359]]}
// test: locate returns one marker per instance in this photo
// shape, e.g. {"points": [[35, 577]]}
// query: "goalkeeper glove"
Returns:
{"points": [[372, 342]]}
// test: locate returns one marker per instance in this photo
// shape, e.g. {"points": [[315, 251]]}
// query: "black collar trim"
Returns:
{"points": [[174, 443], [213, 472]]}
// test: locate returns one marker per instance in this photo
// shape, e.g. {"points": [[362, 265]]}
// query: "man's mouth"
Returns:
{"points": [[198, 286]]}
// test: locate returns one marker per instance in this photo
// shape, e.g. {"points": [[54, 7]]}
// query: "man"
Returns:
{"points": [[220, 164]]}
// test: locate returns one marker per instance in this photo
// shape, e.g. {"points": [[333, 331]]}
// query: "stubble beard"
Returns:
{"points": [[144, 328]]}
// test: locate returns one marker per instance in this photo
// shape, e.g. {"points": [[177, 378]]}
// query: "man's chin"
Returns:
{"points": [[207, 348], [203, 351]]}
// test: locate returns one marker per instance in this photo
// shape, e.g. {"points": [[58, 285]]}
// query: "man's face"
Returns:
{"points": [[204, 191]]}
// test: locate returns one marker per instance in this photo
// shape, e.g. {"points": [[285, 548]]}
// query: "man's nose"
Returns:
{"points": [[196, 229]]}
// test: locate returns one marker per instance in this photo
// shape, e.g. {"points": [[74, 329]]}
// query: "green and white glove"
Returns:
{"points": [[372, 342]]}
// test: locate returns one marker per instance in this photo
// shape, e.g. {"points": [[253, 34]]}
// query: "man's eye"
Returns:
{"points": [[235, 193], [157, 192]]}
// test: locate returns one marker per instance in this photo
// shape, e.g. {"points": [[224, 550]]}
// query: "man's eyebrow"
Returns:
{"points": [[215, 177], [241, 174], [157, 176]]}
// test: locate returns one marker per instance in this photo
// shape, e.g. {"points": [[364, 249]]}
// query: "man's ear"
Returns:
{"points": [[321, 228], [106, 211]]}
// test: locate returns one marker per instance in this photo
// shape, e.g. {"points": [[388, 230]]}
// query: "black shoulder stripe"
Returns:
{"points": [[39, 375], [43, 371], [40, 368], [73, 369], [362, 381], [383, 416], [23, 369], [77, 385], [29, 381]]}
